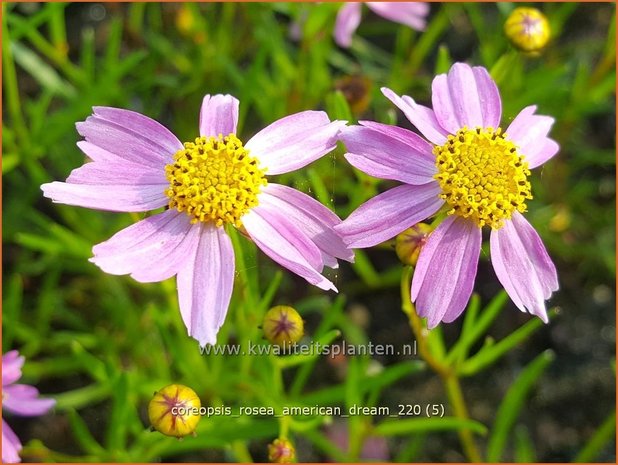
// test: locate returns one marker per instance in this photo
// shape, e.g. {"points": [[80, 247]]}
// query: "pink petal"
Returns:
{"points": [[285, 244], [445, 272], [10, 445], [294, 141], [11, 367], [490, 101], [421, 117], [218, 115], [529, 132], [419, 146], [466, 97], [523, 265], [374, 150], [388, 214], [205, 284], [23, 400], [151, 250], [411, 14], [123, 173], [311, 217], [348, 19], [290, 232], [130, 136], [116, 197]]}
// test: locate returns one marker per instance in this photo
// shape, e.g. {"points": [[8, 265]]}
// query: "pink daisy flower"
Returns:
{"points": [[468, 168], [19, 399], [412, 14], [209, 184]]}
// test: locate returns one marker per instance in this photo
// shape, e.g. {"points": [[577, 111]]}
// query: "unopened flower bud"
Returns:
{"points": [[357, 92], [281, 451], [283, 325], [527, 29], [175, 410], [409, 243]]}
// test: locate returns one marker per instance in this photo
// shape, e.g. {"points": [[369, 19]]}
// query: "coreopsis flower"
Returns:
{"points": [[412, 14], [19, 399], [468, 168], [208, 184]]}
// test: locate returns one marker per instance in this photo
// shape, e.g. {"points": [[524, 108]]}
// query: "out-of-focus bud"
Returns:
{"points": [[283, 325], [175, 410], [281, 451], [527, 29], [190, 24], [561, 220], [409, 243], [357, 92]]}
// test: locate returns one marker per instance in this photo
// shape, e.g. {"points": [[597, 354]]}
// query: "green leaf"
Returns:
{"points": [[474, 328], [337, 107], [512, 404], [444, 60], [492, 352], [599, 440], [421, 425], [524, 447], [116, 431], [82, 397], [82, 435]]}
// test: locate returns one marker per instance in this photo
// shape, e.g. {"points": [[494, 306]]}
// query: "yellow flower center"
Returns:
{"points": [[482, 175], [214, 179]]}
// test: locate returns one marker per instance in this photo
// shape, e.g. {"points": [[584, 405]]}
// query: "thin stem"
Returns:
{"points": [[417, 325], [443, 369], [458, 403], [10, 85]]}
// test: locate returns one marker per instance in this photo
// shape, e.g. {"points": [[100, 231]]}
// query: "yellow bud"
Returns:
{"points": [[283, 325], [561, 221], [409, 243], [527, 29], [185, 22], [281, 451], [175, 410]]}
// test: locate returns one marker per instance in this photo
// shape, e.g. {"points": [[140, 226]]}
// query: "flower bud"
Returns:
{"points": [[409, 243], [527, 29], [283, 325], [175, 410], [357, 92], [281, 451]]}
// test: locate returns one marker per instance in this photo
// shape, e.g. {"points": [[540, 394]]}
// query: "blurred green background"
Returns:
{"points": [[102, 344]]}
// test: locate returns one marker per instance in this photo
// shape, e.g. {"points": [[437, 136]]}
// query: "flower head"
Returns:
{"points": [[209, 184], [411, 14], [19, 399], [472, 170]]}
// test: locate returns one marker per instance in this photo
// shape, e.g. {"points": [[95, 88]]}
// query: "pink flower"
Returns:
{"points": [[20, 399], [209, 184], [475, 173], [411, 14]]}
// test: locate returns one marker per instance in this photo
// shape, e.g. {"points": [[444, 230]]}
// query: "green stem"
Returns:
{"points": [[10, 85], [447, 374], [458, 403]]}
